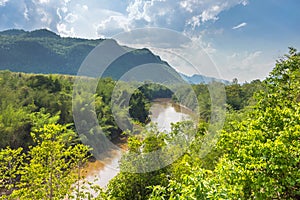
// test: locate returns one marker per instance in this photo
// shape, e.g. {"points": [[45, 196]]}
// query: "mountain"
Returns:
{"points": [[43, 51], [13, 32], [197, 79]]}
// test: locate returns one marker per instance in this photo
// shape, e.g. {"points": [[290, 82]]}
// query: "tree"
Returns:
{"points": [[283, 84], [138, 109], [48, 172], [10, 161], [134, 180]]}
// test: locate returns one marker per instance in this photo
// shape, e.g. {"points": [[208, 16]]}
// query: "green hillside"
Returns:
{"points": [[42, 51]]}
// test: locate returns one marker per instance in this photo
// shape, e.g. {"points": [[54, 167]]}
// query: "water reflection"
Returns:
{"points": [[164, 112], [101, 172]]}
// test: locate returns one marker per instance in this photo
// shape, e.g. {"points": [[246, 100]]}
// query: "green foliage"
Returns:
{"points": [[258, 151], [10, 161], [256, 157], [48, 170], [239, 96], [265, 155], [147, 150], [14, 124], [21, 96], [25, 99], [153, 91], [129, 185], [138, 107], [284, 81]]}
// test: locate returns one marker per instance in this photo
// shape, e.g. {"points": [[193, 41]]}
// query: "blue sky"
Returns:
{"points": [[242, 37]]}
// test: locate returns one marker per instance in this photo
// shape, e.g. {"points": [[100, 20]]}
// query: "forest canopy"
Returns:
{"points": [[256, 156]]}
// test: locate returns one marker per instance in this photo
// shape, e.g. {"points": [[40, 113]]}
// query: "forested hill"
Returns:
{"points": [[42, 51], [45, 52]]}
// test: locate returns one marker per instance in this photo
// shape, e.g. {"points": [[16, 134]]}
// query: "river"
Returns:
{"points": [[163, 113]]}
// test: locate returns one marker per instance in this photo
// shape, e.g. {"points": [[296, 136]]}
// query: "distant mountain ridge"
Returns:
{"points": [[197, 79], [43, 51]]}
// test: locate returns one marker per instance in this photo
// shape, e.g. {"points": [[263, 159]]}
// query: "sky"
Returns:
{"points": [[243, 38]]}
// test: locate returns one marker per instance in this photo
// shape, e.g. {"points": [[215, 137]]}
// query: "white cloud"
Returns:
{"points": [[211, 13], [135, 10], [61, 12], [181, 15], [64, 31], [207, 15], [44, 1], [71, 18], [107, 18], [244, 2], [243, 65], [85, 7], [186, 5], [89, 20], [114, 23], [152, 12], [25, 13], [44, 16], [239, 25], [34, 14], [195, 21], [3, 2]]}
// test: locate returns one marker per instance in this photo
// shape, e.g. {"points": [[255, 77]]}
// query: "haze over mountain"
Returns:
{"points": [[43, 51], [197, 78]]}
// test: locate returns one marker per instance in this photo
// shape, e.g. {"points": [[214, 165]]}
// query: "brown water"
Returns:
{"points": [[163, 113]]}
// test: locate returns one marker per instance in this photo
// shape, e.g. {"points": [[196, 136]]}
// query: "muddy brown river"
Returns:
{"points": [[163, 113]]}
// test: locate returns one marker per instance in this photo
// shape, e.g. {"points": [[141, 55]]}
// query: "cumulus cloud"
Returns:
{"points": [[89, 20], [29, 14], [239, 25], [181, 15], [113, 24], [95, 18], [186, 14]]}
